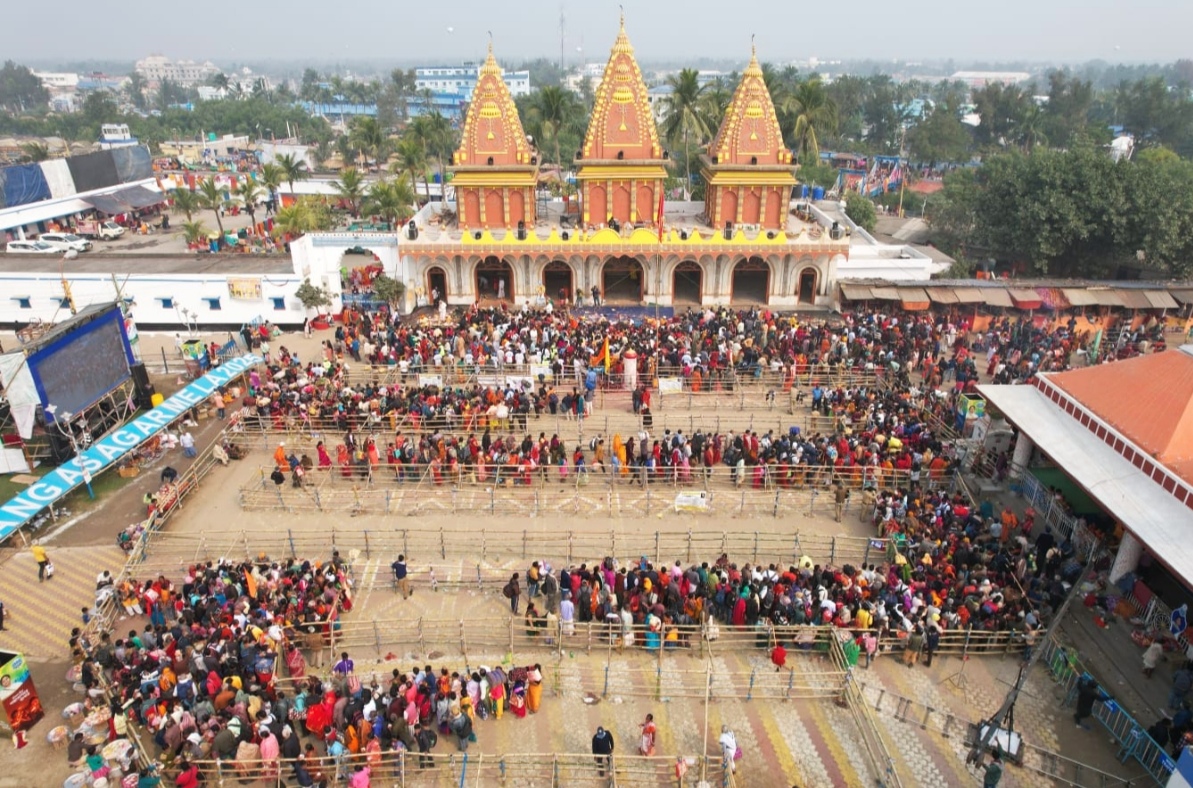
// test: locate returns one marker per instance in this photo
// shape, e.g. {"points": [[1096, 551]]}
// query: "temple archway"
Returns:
{"points": [[806, 291], [436, 283], [622, 279], [751, 281], [494, 279], [558, 281], [687, 283]]}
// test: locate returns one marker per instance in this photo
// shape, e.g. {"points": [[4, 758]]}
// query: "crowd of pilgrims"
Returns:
{"points": [[201, 680]]}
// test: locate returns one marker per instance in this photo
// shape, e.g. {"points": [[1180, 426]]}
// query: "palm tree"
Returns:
{"points": [[35, 151], [272, 177], [815, 115], [293, 220], [187, 202], [1030, 129], [684, 116], [250, 193], [293, 169], [194, 232], [555, 109], [351, 188], [412, 160], [211, 197], [369, 137], [390, 200], [437, 136]]}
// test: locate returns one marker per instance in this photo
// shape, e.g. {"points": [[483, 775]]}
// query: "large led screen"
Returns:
{"points": [[76, 370]]}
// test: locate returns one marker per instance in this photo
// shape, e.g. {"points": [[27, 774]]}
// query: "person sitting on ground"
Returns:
{"points": [[169, 474]]}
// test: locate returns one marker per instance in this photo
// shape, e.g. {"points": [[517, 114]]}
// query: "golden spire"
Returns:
{"points": [[490, 64], [753, 69], [622, 44], [750, 129]]}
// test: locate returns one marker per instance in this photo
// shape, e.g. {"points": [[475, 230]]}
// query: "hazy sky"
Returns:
{"points": [[1037, 30]]}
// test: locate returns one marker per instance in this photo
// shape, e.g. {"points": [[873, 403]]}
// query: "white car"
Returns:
{"points": [[32, 247], [65, 241]]}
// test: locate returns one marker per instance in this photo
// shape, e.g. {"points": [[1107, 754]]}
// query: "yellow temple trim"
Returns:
{"points": [[644, 237], [620, 172], [751, 177], [506, 177]]}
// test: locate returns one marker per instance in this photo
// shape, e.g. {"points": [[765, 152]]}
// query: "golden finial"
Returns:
{"points": [[622, 44], [753, 69], [621, 8]]}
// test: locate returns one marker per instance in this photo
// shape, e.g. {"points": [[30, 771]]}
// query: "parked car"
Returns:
{"points": [[104, 230], [32, 247], [66, 241]]}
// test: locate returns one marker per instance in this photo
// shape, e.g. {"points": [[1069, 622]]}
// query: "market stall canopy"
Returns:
{"points": [[1159, 299], [996, 296], [1106, 297], [1080, 297], [107, 203], [856, 292], [1184, 296], [969, 295], [914, 299], [1025, 298], [942, 295], [140, 197], [1134, 299], [885, 293]]}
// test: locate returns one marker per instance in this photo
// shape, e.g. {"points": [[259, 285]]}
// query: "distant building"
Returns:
{"points": [[116, 135], [592, 72], [58, 82], [158, 68], [980, 79], [451, 87]]}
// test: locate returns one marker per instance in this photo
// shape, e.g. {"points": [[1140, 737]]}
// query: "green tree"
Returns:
{"points": [[293, 169], [940, 136], [211, 197], [683, 117], [194, 232], [187, 202], [136, 90], [20, 90], [272, 177], [553, 109], [250, 193], [351, 189], [369, 136], [34, 151], [859, 208], [391, 200], [312, 296], [411, 160], [99, 108], [1002, 109], [815, 114], [438, 138], [1067, 113], [389, 290]]}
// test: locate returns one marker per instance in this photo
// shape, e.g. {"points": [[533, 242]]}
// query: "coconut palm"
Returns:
{"points": [[293, 220], [369, 137], [815, 115], [437, 136], [272, 178], [187, 202], [211, 197], [683, 116], [250, 193], [293, 169], [554, 109], [411, 161], [351, 189], [390, 200], [194, 232]]}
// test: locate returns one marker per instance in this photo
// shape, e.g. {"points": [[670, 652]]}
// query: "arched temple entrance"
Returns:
{"points": [[436, 283], [494, 279], [806, 294], [687, 283], [558, 282], [751, 281], [622, 280]]}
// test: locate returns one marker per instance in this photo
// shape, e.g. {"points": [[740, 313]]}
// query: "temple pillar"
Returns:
{"points": [[505, 206], [1130, 550], [1024, 446]]}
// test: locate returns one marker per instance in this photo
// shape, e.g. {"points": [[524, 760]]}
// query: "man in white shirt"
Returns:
{"points": [[187, 441]]}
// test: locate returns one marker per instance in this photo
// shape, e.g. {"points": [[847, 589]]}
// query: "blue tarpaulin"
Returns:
{"points": [[24, 184]]}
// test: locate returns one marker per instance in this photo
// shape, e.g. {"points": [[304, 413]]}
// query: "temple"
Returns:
{"points": [[621, 166], [504, 240], [495, 170], [748, 170]]}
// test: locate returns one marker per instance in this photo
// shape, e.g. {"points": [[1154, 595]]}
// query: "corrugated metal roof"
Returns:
{"points": [[1184, 296], [885, 293], [942, 295], [1161, 300], [1080, 297], [914, 298], [1134, 299], [856, 292], [996, 296], [969, 295]]}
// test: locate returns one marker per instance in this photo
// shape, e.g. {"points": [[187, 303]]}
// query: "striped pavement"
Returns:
{"points": [[40, 616]]}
